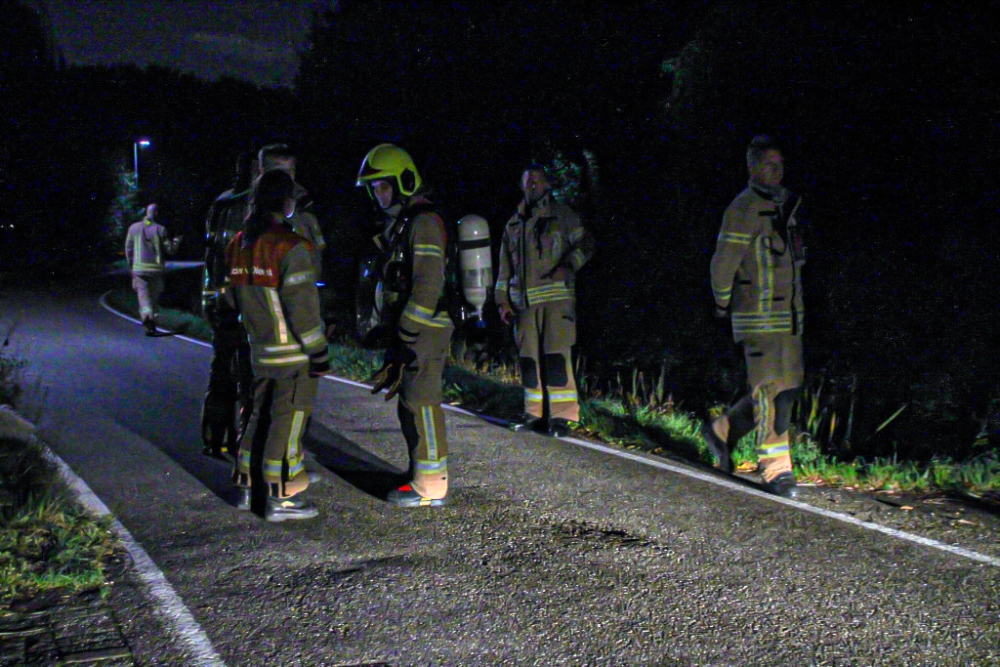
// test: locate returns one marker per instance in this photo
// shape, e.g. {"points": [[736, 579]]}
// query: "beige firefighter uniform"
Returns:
{"points": [[423, 325], [272, 282], [539, 247], [146, 249], [755, 275], [305, 224]]}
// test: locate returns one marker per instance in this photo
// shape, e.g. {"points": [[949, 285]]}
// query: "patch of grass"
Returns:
{"points": [[47, 542], [180, 321]]}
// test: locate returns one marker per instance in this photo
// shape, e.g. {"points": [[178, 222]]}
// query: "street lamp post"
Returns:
{"points": [[135, 157]]}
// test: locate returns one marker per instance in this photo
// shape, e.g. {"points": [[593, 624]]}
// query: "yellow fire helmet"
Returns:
{"points": [[388, 162]]}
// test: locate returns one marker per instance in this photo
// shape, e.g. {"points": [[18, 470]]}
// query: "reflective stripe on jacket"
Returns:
{"points": [[146, 246], [755, 270], [272, 281], [533, 247]]}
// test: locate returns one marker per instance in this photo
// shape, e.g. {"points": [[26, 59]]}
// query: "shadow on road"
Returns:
{"points": [[356, 466]]}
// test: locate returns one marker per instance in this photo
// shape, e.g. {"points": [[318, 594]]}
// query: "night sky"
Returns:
{"points": [[251, 40]]}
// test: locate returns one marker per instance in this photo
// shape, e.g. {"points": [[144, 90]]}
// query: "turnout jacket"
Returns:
{"points": [[305, 224], [272, 286], [534, 244], [225, 219], [146, 247], [756, 268], [415, 242]]}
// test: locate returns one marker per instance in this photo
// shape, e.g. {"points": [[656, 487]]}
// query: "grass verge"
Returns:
{"points": [[638, 415], [49, 546]]}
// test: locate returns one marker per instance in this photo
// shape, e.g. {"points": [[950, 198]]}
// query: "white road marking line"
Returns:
{"points": [[179, 620], [718, 481]]}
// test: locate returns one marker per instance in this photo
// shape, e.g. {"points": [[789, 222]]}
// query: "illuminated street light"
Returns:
{"points": [[135, 156]]}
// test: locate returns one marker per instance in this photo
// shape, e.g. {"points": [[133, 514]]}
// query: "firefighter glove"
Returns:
{"points": [[390, 376], [722, 313]]}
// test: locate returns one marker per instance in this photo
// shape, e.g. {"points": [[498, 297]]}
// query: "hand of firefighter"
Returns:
{"points": [[506, 314], [722, 313], [390, 376]]}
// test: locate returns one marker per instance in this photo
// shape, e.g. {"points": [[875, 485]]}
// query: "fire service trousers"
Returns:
{"points": [[148, 288], [272, 443], [230, 384], [545, 337], [774, 375], [420, 415]]}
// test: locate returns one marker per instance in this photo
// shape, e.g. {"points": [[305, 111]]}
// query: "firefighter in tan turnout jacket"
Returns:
{"points": [[146, 249], [272, 282], [413, 243], [544, 244], [756, 282]]}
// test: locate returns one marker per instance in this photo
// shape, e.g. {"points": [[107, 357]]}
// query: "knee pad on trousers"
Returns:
{"points": [[529, 373], [783, 409], [555, 370]]}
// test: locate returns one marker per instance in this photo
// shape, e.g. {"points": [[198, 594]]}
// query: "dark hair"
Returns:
{"points": [[273, 152], [270, 192], [759, 145]]}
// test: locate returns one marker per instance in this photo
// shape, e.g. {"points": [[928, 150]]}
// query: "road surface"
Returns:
{"points": [[548, 553]]}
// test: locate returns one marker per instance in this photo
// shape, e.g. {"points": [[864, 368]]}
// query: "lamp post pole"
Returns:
{"points": [[135, 158]]}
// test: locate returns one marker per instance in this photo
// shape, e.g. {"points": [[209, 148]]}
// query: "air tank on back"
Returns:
{"points": [[475, 261]]}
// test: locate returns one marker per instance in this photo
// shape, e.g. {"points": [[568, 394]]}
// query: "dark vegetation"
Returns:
{"points": [[889, 116]]}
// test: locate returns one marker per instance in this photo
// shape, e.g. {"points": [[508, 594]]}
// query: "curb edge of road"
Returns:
{"points": [[181, 625]]}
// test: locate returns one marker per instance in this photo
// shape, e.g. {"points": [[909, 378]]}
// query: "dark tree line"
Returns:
{"points": [[889, 115]]}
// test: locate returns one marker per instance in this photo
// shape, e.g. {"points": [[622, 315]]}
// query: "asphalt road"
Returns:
{"points": [[548, 554]]}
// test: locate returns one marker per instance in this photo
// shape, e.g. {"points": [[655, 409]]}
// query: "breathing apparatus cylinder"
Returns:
{"points": [[475, 261]]}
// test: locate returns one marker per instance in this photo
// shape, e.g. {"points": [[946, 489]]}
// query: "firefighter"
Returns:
{"points": [[756, 283], [303, 221], [146, 248], [230, 375], [413, 243], [544, 245], [271, 284]]}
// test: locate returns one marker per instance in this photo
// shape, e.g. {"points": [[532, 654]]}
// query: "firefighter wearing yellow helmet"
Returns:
{"points": [[412, 245]]}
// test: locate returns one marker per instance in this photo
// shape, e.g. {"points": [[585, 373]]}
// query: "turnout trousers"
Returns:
{"points": [[271, 446], [230, 382], [148, 288], [774, 375], [420, 415], [545, 337]]}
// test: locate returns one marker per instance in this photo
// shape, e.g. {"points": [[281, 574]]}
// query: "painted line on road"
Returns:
{"points": [[179, 619], [867, 525], [711, 479]]}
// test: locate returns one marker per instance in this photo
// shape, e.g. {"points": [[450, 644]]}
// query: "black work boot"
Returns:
{"points": [[718, 447], [525, 422], [559, 427], [291, 508], [783, 485], [150, 326]]}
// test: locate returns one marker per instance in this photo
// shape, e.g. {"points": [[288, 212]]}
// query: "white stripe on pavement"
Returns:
{"points": [[179, 620]]}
